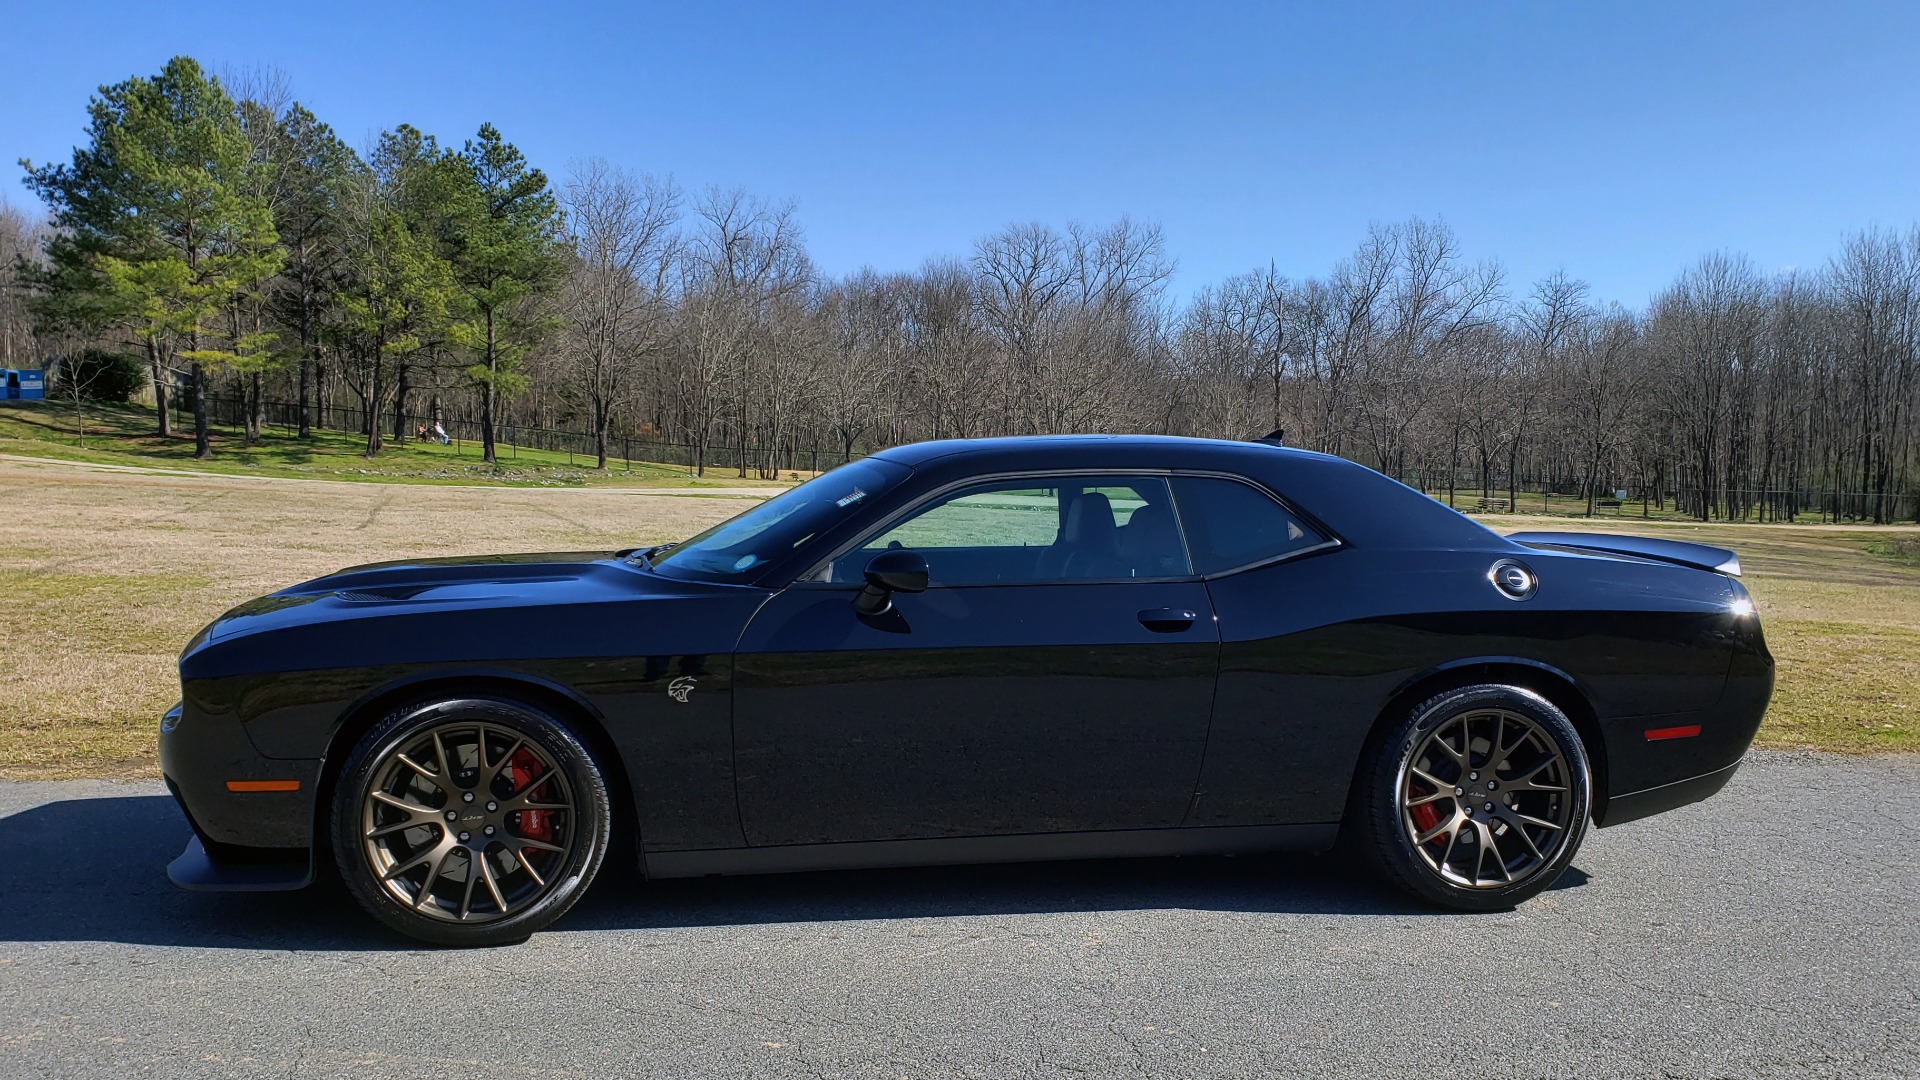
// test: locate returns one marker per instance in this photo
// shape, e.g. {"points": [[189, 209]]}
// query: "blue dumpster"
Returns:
{"points": [[25, 383]]}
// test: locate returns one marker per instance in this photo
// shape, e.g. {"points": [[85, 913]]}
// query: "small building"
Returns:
{"points": [[24, 383]]}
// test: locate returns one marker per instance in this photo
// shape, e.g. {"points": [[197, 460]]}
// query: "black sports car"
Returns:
{"points": [[1005, 649]]}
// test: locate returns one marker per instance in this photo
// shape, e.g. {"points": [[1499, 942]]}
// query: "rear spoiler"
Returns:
{"points": [[1700, 556]]}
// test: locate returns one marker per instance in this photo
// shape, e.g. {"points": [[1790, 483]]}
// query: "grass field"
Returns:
{"points": [[105, 572], [124, 435]]}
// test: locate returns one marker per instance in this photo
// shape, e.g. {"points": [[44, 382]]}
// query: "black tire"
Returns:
{"points": [[1534, 831], [564, 810]]}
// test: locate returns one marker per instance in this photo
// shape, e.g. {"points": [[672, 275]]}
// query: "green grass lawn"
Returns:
{"points": [[124, 435]]}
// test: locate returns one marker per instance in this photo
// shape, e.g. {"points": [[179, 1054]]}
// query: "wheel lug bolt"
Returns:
{"points": [[1473, 776], [1491, 786], [464, 837], [451, 815], [1489, 808], [1459, 791], [492, 806], [468, 797], [488, 830]]}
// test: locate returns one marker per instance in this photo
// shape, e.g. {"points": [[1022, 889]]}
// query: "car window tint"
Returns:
{"points": [[1028, 531], [744, 544], [1230, 524], [1013, 517], [1122, 500]]}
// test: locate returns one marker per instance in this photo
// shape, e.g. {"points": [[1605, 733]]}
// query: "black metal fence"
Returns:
{"points": [[465, 437], [1772, 504]]}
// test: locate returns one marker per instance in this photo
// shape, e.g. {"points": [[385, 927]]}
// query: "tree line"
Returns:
{"points": [[237, 245]]}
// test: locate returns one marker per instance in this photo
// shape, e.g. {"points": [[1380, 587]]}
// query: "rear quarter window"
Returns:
{"points": [[1230, 524]]}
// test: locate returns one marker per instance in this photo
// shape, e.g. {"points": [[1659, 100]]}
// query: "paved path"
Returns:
{"points": [[1771, 931]]}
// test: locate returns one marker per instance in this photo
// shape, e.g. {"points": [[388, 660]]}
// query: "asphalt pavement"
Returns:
{"points": [[1770, 931]]}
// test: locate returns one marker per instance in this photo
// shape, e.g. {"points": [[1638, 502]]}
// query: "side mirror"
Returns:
{"points": [[899, 570]]}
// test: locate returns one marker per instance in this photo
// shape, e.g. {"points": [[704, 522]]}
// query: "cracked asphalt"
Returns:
{"points": [[1770, 931]]}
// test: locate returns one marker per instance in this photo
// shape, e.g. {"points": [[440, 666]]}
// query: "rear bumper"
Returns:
{"points": [[1638, 804], [1658, 762]]}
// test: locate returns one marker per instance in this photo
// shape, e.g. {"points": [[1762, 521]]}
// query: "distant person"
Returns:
{"points": [[440, 432]]}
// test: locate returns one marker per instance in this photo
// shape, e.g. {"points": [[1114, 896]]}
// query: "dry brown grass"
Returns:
{"points": [[103, 576]]}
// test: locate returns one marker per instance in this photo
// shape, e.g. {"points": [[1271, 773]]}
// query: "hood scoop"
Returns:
{"points": [[390, 595], [432, 591]]}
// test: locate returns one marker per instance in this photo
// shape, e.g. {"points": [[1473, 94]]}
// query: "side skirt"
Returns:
{"points": [[1032, 847]]}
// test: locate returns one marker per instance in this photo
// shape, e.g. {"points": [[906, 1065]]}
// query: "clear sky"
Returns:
{"points": [[1617, 140]]}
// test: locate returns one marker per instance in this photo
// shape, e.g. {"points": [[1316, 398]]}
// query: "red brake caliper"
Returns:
{"points": [[1425, 817], [524, 769]]}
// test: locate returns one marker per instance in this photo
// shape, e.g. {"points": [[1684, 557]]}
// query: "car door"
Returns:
{"points": [[1056, 676], [1287, 706]]}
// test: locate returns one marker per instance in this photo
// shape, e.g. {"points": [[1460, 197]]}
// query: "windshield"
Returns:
{"points": [[741, 546]]}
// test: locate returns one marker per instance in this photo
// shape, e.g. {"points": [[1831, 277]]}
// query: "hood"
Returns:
{"points": [[461, 577], [420, 585]]}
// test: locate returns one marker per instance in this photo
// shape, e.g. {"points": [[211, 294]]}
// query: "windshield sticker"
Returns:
{"points": [[851, 497]]}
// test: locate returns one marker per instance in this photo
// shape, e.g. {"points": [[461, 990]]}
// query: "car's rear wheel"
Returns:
{"points": [[469, 821], [1476, 799]]}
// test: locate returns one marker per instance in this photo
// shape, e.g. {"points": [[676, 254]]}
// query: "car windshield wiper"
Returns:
{"points": [[646, 555]]}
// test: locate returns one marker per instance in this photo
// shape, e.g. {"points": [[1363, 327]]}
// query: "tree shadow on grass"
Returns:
{"points": [[94, 869]]}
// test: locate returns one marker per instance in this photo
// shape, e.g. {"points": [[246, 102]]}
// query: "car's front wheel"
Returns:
{"points": [[469, 821], [1476, 799]]}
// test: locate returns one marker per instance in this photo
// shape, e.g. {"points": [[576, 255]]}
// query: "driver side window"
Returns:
{"points": [[1065, 529]]}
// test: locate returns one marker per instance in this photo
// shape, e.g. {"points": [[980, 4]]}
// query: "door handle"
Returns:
{"points": [[1167, 620]]}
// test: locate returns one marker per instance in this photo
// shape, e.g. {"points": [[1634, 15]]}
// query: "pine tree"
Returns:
{"points": [[164, 224], [315, 172], [505, 227], [397, 289]]}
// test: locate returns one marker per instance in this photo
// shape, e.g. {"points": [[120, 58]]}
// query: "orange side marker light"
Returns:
{"points": [[263, 785]]}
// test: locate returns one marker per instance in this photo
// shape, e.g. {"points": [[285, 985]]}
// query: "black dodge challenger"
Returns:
{"points": [[969, 651]]}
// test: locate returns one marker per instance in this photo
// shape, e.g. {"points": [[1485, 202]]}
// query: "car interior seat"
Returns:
{"points": [[1150, 545], [1089, 541]]}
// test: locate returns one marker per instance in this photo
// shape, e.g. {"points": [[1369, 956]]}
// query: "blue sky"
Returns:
{"points": [[1618, 141]]}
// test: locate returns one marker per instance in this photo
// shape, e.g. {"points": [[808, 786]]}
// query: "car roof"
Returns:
{"points": [[1360, 504], [1042, 451]]}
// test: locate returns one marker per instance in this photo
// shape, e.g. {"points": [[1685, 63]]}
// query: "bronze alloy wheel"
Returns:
{"points": [[471, 821], [1484, 799], [467, 821], [1476, 799]]}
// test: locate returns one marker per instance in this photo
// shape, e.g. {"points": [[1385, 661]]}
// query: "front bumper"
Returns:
{"points": [[196, 871], [244, 839]]}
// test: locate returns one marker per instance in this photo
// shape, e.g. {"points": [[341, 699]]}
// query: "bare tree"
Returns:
{"points": [[21, 237], [618, 293], [745, 261]]}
